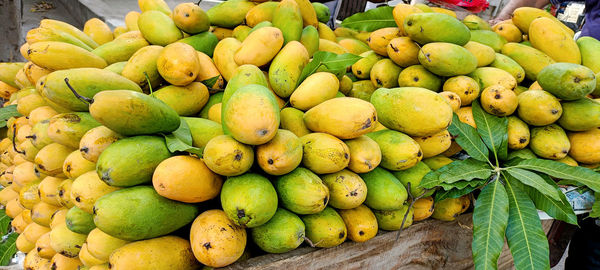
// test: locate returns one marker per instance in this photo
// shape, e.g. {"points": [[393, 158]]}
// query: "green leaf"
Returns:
{"points": [[371, 20], [463, 184], [534, 180], [331, 61], [8, 249], [596, 206], [466, 170], [6, 113], [4, 222], [183, 132], [211, 82], [562, 171], [560, 209], [181, 140], [453, 193], [492, 129], [490, 218], [524, 234], [468, 138]]}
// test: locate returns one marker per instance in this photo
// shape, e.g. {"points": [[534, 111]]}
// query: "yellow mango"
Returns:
{"points": [[550, 142], [224, 56], [75, 165], [190, 18], [260, 47], [59, 55], [444, 11], [226, 156], [585, 146], [214, 113], [119, 30], [314, 90], [159, 5], [41, 113], [34, 231], [43, 247], [48, 34], [66, 242], [208, 70], [41, 213], [281, 155], [324, 153], [465, 115], [286, 68], [548, 36], [158, 28], [362, 68], [379, 39], [292, 119], [88, 188], [69, 29], [435, 144], [261, 13], [59, 217], [23, 244], [98, 31], [331, 46], [222, 33], [509, 31], [360, 222], [538, 107], [523, 17], [344, 117], [95, 140], [241, 32], [400, 12], [25, 173], [35, 72], [354, 46], [211, 245], [385, 74], [141, 64], [448, 209], [60, 262], [309, 15], [347, 190], [64, 193], [423, 208], [88, 259], [485, 54], [101, 245], [518, 133], [48, 190], [6, 90], [185, 100], [403, 51], [465, 87], [178, 63], [28, 103], [34, 261], [453, 99], [7, 194], [325, 32], [131, 20]]}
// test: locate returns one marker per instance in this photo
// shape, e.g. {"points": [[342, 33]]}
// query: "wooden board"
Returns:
{"points": [[431, 244]]}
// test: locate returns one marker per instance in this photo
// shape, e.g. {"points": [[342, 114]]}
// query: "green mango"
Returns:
{"points": [[39, 134], [204, 42], [286, 68], [398, 150], [475, 22], [261, 25], [288, 18], [249, 200], [229, 14], [362, 68], [243, 75], [532, 60], [322, 11], [116, 67], [138, 213], [66, 242], [447, 59], [414, 175], [489, 76], [436, 27], [524, 153], [79, 221], [121, 48], [580, 115], [489, 38], [419, 76], [158, 28], [302, 192], [131, 161], [549, 142], [282, 233], [590, 52], [326, 228], [203, 130], [310, 39], [385, 191], [391, 220], [567, 81], [49, 34], [141, 67], [8, 72], [68, 128], [212, 100], [87, 82], [132, 113], [509, 65]]}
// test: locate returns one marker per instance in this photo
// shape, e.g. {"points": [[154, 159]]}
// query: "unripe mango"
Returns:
{"points": [[310, 39], [385, 191], [67, 28], [292, 119], [226, 156], [447, 59], [141, 64], [590, 52], [580, 115], [79, 221], [362, 68], [229, 14], [489, 38], [509, 65], [288, 17], [48, 34], [59, 55], [399, 151], [283, 232], [436, 27], [286, 68], [158, 28], [203, 130], [326, 229], [567, 81]]}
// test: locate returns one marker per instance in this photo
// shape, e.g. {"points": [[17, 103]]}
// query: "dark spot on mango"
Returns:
{"points": [[416, 79], [367, 124], [378, 81], [270, 161], [497, 96], [191, 74], [53, 266], [554, 111], [346, 156], [342, 234], [223, 229], [523, 140], [361, 233], [207, 245], [576, 79], [39, 248], [94, 210], [187, 14], [325, 201], [466, 92], [241, 213], [238, 156], [359, 72], [77, 246], [78, 199], [353, 193], [68, 168], [71, 118], [565, 151], [420, 153], [61, 193], [262, 132]]}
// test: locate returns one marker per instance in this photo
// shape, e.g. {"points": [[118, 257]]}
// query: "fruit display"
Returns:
{"points": [[192, 138]]}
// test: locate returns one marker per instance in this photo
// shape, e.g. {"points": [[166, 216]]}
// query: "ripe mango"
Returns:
{"points": [[391, 220], [288, 17], [549, 142], [48, 34], [222, 33], [34, 72], [346, 189], [549, 37], [531, 59], [585, 146], [87, 189], [95, 141], [190, 18], [224, 55], [9, 71], [87, 82], [101, 245], [155, 117], [69, 29], [306, 95], [28, 195], [63, 262], [435, 144], [400, 108], [499, 100], [64, 193], [490, 76], [23, 245], [260, 47], [244, 75], [344, 117], [360, 222], [325, 229], [249, 200], [448, 209], [175, 179], [475, 22], [380, 38], [281, 155], [158, 28], [292, 119], [453, 99], [354, 46], [590, 52], [226, 156], [178, 63], [567, 81], [399, 151], [59, 55], [385, 74], [538, 108], [403, 51], [509, 31], [518, 133], [66, 242], [141, 64], [48, 190], [509, 65], [580, 115], [34, 261], [423, 208], [489, 38], [7, 194], [365, 154], [131, 19], [185, 100], [49, 160], [282, 233], [262, 12], [447, 59], [120, 30], [229, 14], [419, 76], [121, 215], [34, 231], [68, 128], [122, 48], [436, 27], [114, 167], [485, 54], [286, 68], [14, 208], [386, 192], [42, 212], [79, 221], [87, 259], [40, 114], [523, 17], [324, 153], [159, 5], [362, 68], [213, 246], [302, 192], [400, 12], [168, 252]]}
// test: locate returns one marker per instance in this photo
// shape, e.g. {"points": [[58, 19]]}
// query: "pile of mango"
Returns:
{"points": [[91, 180]]}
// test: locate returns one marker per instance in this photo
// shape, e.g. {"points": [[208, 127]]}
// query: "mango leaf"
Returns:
{"points": [[466, 170], [371, 20], [596, 206], [524, 234], [534, 180], [4, 222], [560, 210], [211, 82], [183, 132], [181, 140], [6, 113], [468, 138], [453, 193], [562, 171], [490, 218], [492, 130], [8, 248], [463, 184], [331, 61]]}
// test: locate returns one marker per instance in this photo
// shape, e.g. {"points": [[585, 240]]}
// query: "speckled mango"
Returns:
{"points": [[168, 252], [324, 153], [280, 155], [87, 189], [226, 156], [286, 68], [302, 192], [425, 28], [346, 189], [549, 142]]}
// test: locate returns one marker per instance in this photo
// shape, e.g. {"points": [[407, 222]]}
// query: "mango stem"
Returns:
{"points": [[80, 97], [13, 140], [412, 202]]}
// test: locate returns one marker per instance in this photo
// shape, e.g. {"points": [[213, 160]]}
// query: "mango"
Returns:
{"points": [[190, 18], [399, 151], [322, 11], [34, 231], [131, 19], [531, 59], [474, 22], [282, 233], [447, 59], [365, 154], [224, 55], [141, 64], [159, 5], [40, 114], [226, 156], [490, 76], [499, 100], [403, 51], [447, 209], [249, 200], [331, 46], [185, 100], [87, 189], [68, 128], [229, 14], [49, 160], [101, 245], [346, 189], [589, 48], [9, 71], [87, 82], [453, 99], [48, 34], [160, 253], [362, 68], [434, 144], [509, 31], [538, 108], [414, 176], [122, 48], [518, 133], [34, 261], [423, 208], [288, 17], [567, 81], [306, 97], [309, 15], [286, 67], [386, 192], [360, 222], [549, 142], [281, 155], [400, 12], [42, 212], [310, 39], [262, 12], [202, 130], [385, 74], [186, 179], [325, 229], [120, 30], [59, 55], [116, 67], [95, 140], [178, 64], [64, 193], [549, 37], [158, 28], [489, 38], [66, 242], [79, 221], [292, 119], [302, 192], [419, 76], [379, 39], [204, 42], [35, 72], [120, 214], [580, 115], [131, 119], [334, 117], [14, 208], [7, 194], [6, 90], [509, 65], [211, 245], [244, 75], [485, 54], [436, 27], [87, 259], [324, 153], [585, 146], [23, 245], [28, 195], [354, 46], [399, 108], [69, 29], [523, 17], [63, 262], [260, 47]]}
